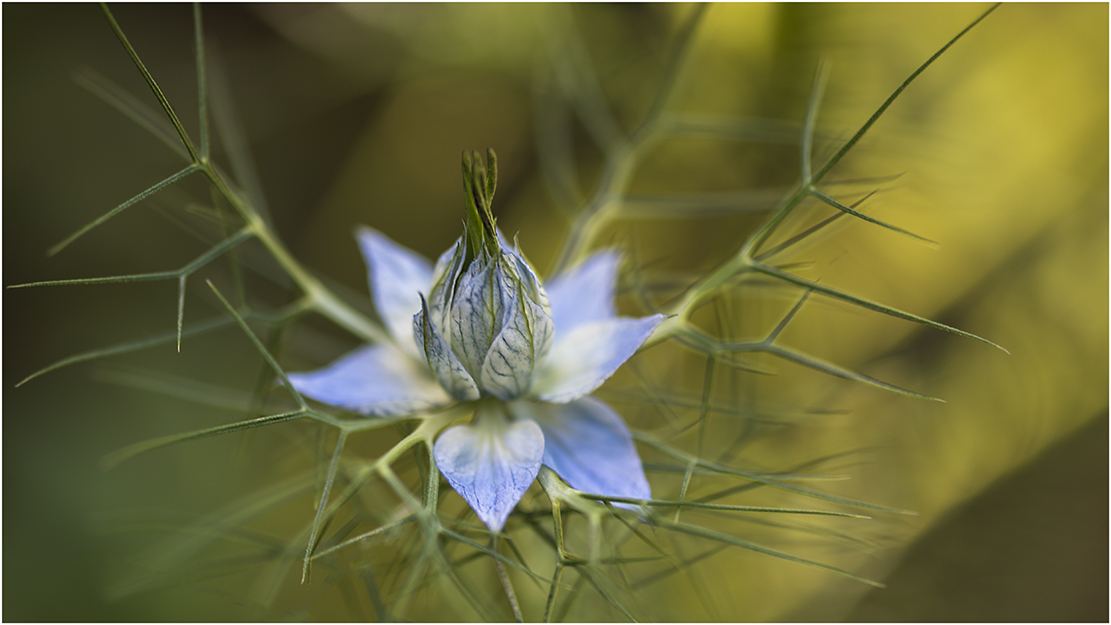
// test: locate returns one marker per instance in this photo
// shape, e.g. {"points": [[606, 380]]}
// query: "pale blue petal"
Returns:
{"points": [[490, 463], [397, 277], [585, 293], [375, 380], [446, 367], [588, 445], [584, 358]]}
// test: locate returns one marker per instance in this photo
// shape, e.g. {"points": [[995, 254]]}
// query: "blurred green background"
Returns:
{"points": [[356, 114]]}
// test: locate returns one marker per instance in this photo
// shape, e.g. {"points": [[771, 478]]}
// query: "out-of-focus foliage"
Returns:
{"points": [[357, 114]]}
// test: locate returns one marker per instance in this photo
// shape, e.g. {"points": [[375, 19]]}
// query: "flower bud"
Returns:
{"points": [[487, 307]]}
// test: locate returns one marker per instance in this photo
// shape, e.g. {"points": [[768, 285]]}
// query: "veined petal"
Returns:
{"points": [[397, 277], [448, 268], [490, 463], [527, 275], [477, 311], [525, 336], [451, 373], [377, 380], [446, 260], [582, 359], [584, 294], [589, 446]]}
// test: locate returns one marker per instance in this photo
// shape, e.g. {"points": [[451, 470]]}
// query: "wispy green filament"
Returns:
{"points": [[368, 499]]}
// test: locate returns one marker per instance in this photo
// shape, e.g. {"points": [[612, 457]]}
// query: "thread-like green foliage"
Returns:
{"points": [[430, 542]]}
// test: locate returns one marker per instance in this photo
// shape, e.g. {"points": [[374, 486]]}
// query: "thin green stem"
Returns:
{"points": [[127, 104], [859, 301], [152, 84], [202, 260], [821, 75], [723, 507], [366, 536], [506, 584], [333, 468], [623, 157], [795, 239], [773, 481], [180, 309], [674, 69], [324, 300], [261, 348], [845, 209], [836, 158], [204, 326], [117, 210], [202, 79], [702, 532], [557, 576], [683, 489], [432, 483], [115, 458]]}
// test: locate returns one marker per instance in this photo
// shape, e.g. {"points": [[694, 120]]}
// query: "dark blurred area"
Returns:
{"points": [[356, 114], [999, 559]]}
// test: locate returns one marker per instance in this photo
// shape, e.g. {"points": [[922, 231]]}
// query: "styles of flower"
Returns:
{"points": [[480, 327]]}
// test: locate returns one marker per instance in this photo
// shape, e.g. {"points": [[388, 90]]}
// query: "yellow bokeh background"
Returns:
{"points": [[356, 114]]}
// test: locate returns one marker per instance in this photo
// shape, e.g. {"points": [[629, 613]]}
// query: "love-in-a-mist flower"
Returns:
{"points": [[479, 327]]}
